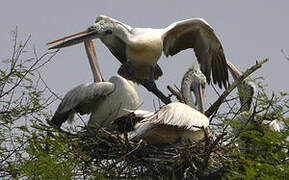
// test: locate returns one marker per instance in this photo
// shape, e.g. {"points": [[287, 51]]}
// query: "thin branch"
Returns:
{"points": [[157, 92], [42, 80], [285, 55], [176, 93], [210, 150], [124, 156]]}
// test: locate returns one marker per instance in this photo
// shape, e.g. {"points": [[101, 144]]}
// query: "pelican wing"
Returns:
{"points": [[82, 99], [174, 114], [197, 34]]}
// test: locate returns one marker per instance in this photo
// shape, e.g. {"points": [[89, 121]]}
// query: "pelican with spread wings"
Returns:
{"points": [[139, 49]]}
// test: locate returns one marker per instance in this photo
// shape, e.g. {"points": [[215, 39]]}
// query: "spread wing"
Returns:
{"points": [[81, 99], [197, 34]]}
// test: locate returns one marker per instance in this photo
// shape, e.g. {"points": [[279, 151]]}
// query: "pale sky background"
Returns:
{"points": [[249, 31]]}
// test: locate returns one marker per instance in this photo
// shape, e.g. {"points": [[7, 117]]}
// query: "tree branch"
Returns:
{"points": [[178, 95]]}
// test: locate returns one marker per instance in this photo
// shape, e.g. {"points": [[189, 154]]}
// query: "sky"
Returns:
{"points": [[249, 31]]}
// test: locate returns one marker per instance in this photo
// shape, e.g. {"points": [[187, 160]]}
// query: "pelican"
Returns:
{"points": [[105, 101], [139, 49], [177, 123], [246, 91]]}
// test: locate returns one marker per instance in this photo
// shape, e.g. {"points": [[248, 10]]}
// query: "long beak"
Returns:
{"points": [[85, 35], [93, 62], [200, 97], [201, 100], [234, 71]]}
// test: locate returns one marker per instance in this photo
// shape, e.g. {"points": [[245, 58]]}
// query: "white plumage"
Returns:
{"points": [[105, 101], [176, 122], [273, 125], [173, 123], [142, 47]]}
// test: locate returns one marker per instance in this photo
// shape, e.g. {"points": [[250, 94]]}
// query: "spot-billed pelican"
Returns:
{"points": [[246, 90], [177, 123], [105, 101], [139, 49]]}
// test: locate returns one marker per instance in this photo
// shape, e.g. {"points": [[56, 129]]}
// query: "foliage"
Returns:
{"points": [[262, 153], [29, 148], [23, 102]]}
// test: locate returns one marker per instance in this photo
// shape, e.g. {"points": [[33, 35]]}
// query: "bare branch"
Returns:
{"points": [[124, 156], [176, 93]]}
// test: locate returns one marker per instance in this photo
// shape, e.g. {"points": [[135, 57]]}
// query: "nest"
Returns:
{"points": [[113, 156]]}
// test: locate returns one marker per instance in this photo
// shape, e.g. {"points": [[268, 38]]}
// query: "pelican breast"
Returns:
{"points": [[147, 47]]}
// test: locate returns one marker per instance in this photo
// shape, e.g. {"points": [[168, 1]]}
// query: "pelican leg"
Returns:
{"points": [[151, 86], [150, 83], [129, 68]]}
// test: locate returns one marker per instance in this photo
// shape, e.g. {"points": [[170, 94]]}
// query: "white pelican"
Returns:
{"points": [[105, 101], [177, 123], [139, 49], [246, 90]]}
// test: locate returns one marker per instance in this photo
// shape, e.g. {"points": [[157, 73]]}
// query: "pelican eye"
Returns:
{"points": [[108, 31], [203, 83], [91, 28]]}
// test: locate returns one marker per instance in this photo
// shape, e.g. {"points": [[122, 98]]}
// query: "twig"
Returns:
{"points": [[285, 55], [124, 156], [42, 80], [210, 149], [176, 93], [214, 107]]}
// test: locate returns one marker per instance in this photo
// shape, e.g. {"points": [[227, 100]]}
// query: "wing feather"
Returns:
{"points": [[197, 34], [81, 99], [174, 114]]}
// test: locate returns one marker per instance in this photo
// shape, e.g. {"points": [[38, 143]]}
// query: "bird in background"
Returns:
{"points": [[176, 123], [139, 49], [246, 91], [105, 101]]}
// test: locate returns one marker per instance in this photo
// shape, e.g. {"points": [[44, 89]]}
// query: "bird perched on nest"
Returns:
{"points": [[177, 123], [105, 101]]}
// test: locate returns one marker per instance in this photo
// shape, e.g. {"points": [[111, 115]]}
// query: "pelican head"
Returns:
{"points": [[194, 81], [100, 28]]}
